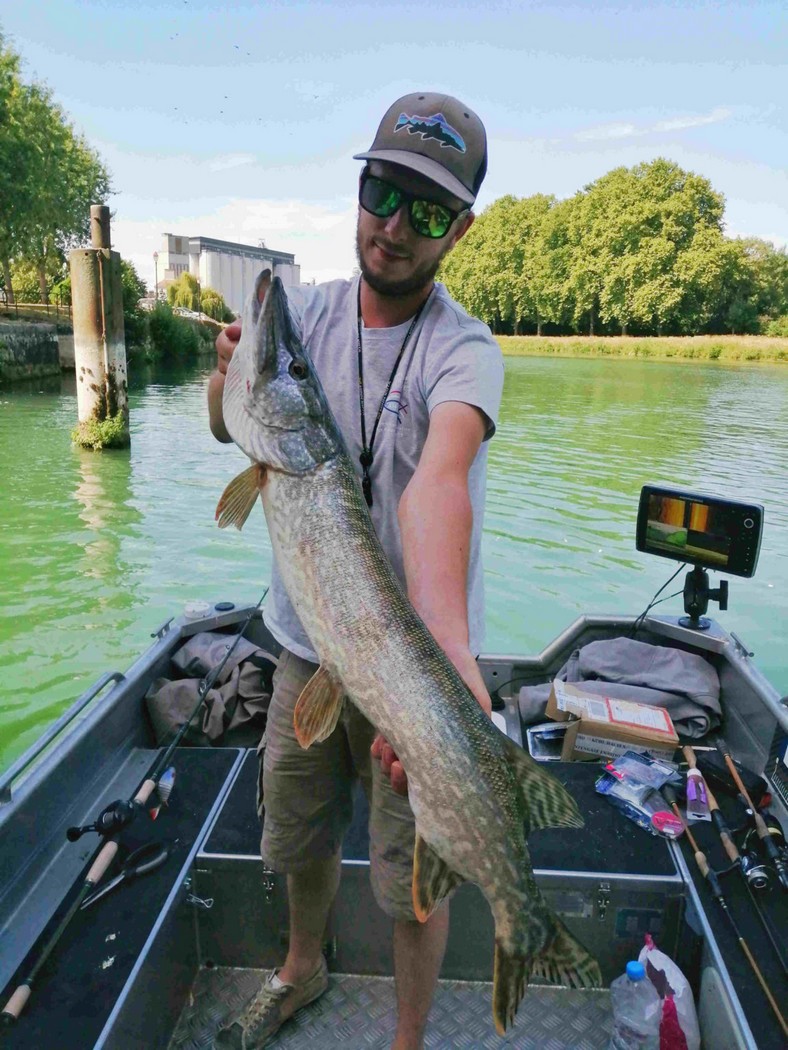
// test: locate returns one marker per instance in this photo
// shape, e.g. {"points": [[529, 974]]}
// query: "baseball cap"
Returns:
{"points": [[438, 137]]}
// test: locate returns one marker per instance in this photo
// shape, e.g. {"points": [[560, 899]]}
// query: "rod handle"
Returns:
{"points": [[102, 862], [144, 793], [689, 754], [703, 864], [16, 1004], [722, 828]]}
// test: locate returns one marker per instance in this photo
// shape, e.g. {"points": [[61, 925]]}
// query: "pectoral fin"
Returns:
{"points": [[433, 879], [546, 802], [240, 496], [317, 708]]}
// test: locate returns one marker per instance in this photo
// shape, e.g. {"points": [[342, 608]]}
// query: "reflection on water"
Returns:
{"points": [[103, 492], [98, 549]]}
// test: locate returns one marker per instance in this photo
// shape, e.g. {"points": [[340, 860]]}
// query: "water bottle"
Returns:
{"points": [[637, 1010]]}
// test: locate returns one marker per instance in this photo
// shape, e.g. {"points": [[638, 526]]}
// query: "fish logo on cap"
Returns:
{"points": [[435, 127]]}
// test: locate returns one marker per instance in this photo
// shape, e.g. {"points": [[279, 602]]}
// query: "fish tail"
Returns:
{"points": [[511, 972], [565, 961]]}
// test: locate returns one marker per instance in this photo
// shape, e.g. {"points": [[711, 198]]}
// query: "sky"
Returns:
{"points": [[239, 120]]}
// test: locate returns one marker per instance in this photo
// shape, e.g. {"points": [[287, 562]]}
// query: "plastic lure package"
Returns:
{"points": [[632, 782]]}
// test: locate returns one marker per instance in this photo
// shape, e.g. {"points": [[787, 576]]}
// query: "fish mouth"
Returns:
{"points": [[283, 430]]}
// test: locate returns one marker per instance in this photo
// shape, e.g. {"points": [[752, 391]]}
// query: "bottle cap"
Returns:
{"points": [[635, 971]]}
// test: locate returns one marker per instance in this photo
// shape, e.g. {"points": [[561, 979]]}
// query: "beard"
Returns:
{"points": [[418, 279]]}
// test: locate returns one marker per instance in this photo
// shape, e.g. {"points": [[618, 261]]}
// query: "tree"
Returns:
{"points": [[16, 162], [49, 177], [629, 231], [185, 292], [69, 176], [213, 304], [132, 290]]}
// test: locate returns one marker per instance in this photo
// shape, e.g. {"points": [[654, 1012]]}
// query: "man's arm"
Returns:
{"points": [[436, 519], [226, 342]]}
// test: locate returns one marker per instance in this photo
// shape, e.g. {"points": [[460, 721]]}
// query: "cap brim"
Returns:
{"points": [[424, 166]]}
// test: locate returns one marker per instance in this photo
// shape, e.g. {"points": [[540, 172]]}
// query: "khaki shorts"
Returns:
{"points": [[307, 795]]}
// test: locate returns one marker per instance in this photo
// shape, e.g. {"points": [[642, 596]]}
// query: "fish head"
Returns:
{"points": [[274, 406]]}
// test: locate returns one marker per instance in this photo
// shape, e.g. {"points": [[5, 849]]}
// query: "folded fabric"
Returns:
{"points": [[685, 684], [234, 710]]}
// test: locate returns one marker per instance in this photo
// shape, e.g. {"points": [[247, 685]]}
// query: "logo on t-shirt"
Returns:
{"points": [[395, 404]]}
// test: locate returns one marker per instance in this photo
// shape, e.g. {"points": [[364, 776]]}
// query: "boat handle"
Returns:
{"points": [[54, 730]]}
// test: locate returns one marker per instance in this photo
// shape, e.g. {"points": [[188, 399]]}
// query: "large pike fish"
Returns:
{"points": [[475, 794]]}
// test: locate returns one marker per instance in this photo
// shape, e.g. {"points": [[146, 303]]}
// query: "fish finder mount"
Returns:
{"points": [[708, 532], [697, 595]]}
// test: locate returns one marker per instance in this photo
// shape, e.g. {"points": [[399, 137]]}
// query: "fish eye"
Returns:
{"points": [[298, 370]]}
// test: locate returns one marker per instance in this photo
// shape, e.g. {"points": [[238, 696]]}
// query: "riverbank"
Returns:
{"points": [[725, 348]]}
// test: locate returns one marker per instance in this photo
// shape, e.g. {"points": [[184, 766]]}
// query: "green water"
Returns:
{"points": [[97, 550]]}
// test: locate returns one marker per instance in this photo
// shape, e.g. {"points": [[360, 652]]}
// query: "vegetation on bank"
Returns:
{"points": [[689, 348], [641, 251]]}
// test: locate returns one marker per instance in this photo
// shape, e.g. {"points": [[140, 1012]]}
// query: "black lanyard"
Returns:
{"points": [[366, 456]]}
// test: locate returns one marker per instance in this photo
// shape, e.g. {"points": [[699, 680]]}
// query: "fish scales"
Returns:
{"points": [[474, 793], [436, 727]]}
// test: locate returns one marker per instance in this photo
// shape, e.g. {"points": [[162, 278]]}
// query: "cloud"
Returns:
{"points": [[605, 132], [231, 160]]}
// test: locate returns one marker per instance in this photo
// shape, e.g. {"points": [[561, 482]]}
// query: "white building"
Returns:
{"points": [[228, 268]]}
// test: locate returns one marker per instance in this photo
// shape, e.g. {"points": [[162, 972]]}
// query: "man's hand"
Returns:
{"points": [[390, 764], [226, 342]]}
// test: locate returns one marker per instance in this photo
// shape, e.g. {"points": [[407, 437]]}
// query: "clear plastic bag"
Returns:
{"points": [[671, 984]]}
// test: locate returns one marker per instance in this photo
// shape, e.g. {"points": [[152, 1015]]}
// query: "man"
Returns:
{"points": [[415, 385]]}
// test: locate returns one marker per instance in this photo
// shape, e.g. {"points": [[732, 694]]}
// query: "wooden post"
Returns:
{"points": [[99, 339]]}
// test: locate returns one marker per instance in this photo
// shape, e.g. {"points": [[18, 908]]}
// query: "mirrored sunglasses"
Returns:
{"points": [[428, 218]]}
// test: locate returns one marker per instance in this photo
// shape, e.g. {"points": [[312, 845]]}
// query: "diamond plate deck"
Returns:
{"points": [[358, 1013]]}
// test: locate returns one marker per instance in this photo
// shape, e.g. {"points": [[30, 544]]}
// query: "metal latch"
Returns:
{"points": [[192, 898], [603, 899], [269, 885]]}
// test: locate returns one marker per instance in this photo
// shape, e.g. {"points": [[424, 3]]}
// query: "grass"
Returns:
{"points": [[725, 348]]}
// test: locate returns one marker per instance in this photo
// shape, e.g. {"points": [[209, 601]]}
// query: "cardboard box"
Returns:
{"points": [[603, 727]]}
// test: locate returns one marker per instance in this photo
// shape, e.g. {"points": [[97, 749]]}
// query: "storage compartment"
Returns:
{"points": [[611, 882]]}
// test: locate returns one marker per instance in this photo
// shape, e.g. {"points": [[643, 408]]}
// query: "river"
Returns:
{"points": [[98, 549]]}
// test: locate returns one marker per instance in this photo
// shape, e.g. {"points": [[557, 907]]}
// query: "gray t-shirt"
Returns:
{"points": [[450, 357]]}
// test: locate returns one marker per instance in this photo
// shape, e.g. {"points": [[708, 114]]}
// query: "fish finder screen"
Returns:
{"points": [[702, 530], [692, 529]]}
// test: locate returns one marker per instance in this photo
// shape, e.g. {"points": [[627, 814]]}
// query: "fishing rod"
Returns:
{"points": [[769, 848], [716, 890], [751, 876], [109, 822]]}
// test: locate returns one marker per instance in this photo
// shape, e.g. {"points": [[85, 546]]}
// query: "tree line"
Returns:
{"points": [[640, 251], [49, 177]]}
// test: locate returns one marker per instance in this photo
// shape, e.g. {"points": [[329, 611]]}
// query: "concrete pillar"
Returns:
{"points": [[99, 340]]}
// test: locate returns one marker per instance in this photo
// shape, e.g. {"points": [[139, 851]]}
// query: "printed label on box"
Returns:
{"points": [[640, 715], [580, 706], [587, 744]]}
